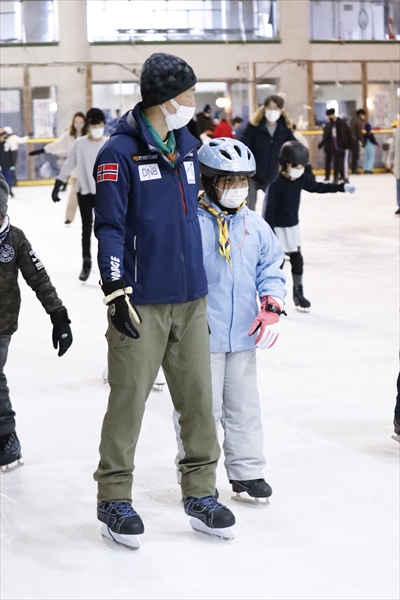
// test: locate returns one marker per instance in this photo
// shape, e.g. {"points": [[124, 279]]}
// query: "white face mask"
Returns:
{"points": [[296, 173], [78, 126], [272, 115], [97, 133], [180, 118], [234, 197]]}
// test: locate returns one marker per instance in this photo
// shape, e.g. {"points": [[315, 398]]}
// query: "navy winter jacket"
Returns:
{"points": [[146, 218], [266, 148]]}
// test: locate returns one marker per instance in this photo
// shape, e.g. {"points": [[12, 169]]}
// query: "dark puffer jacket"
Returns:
{"points": [[266, 148], [16, 255]]}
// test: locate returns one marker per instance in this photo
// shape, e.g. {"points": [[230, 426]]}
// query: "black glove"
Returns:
{"points": [[57, 186], [64, 186], [121, 311], [35, 152], [62, 334]]}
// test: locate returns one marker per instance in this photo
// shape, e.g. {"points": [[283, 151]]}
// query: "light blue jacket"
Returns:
{"points": [[256, 257]]}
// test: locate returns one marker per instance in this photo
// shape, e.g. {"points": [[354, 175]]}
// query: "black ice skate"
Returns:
{"points": [[122, 524], [10, 452], [396, 435], [87, 265], [209, 516], [252, 491], [300, 302]]}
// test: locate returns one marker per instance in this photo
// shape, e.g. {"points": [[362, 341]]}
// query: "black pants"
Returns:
{"points": [[86, 205], [254, 186], [328, 163], [397, 407], [355, 155], [338, 164], [7, 415], [297, 264]]}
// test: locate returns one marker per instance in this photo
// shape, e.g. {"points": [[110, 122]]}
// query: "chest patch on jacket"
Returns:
{"points": [[190, 174], [148, 172], [7, 253]]}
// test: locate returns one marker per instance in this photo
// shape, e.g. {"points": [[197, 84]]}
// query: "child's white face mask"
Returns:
{"points": [[296, 173], [234, 197]]}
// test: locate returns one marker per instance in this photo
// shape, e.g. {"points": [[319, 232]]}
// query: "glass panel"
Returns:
{"points": [[28, 22], [360, 20], [171, 20]]}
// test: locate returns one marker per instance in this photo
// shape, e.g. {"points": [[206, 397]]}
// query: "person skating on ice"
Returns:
{"points": [[63, 146], [242, 258], [151, 263], [82, 157], [17, 255], [281, 209]]}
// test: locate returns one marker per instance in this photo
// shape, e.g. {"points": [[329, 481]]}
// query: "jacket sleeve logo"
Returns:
{"points": [[107, 172]]}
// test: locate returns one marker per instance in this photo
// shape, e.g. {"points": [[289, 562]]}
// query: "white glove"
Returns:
{"points": [[349, 188], [269, 336]]}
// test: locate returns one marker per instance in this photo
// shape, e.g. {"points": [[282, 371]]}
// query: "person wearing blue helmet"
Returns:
{"points": [[242, 259]]}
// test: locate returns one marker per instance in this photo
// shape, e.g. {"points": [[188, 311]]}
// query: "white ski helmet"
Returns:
{"points": [[225, 155]]}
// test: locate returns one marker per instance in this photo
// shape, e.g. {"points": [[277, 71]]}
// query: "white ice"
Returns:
{"points": [[328, 392]]}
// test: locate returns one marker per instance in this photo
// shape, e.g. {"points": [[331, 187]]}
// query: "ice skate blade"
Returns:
{"points": [[246, 499], [105, 375], [396, 438], [132, 542], [224, 534], [158, 387], [301, 309], [12, 466]]}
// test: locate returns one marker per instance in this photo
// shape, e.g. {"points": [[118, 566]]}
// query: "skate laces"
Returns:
{"points": [[10, 442], [208, 502], [122, 509]]}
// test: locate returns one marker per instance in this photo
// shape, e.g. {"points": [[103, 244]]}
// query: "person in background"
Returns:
{"points": [[13, 141], [395, 159], [204, 121], [238, 126], [83, 155], [63, 146], [223, 129], [281, 209], [16, 255], [269, 128], [336, 141], [370, 143], [357, 138], [242, 259], [6, 160]]}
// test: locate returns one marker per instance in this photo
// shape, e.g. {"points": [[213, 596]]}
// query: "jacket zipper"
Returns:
{"points": [[134, 249]]}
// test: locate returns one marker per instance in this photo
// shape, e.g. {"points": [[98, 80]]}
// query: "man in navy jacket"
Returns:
{"points": [[151, 264]]}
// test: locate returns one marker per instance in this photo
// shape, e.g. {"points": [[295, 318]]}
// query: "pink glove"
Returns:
{"points": [[267, 321]]}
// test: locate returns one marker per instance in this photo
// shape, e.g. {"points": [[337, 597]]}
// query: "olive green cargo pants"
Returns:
{"points": [[176, 336]]}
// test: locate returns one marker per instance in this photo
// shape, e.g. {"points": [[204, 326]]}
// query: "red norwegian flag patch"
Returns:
{"points": [[107, 172]]}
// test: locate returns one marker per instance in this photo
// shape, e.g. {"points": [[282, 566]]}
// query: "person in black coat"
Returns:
{"points": [[336, 142], [268, 129]]}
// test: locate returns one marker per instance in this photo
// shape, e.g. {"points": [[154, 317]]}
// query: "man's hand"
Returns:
{"points": [[267, 321], [122, 313]]}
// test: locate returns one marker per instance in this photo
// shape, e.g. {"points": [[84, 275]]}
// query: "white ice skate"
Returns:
{"points": [[224, 534], [160, 381], [132, 542]]}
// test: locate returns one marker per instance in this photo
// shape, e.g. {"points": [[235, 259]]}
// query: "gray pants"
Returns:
{"points": [[254, 186], [7, 415], [236, 405], [176, 336]]}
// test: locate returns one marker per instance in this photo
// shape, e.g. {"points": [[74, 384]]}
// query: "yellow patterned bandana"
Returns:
{"points": [[223, 238]]}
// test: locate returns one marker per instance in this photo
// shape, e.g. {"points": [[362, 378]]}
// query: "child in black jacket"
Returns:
{"points": [[281, 209]]}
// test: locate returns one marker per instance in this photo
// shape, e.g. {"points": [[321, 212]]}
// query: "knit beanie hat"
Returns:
{"points": [[94, 116], [164, 76], [4, 193]]}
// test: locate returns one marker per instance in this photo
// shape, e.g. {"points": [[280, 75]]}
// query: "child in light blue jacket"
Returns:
{"points": [[242, 258]]}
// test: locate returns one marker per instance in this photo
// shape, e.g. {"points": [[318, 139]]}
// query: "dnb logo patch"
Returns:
{"points": [[7, 253], [107, 172]]}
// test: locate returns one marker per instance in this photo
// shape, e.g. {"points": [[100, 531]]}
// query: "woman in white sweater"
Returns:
{"points": [[63, 146]]}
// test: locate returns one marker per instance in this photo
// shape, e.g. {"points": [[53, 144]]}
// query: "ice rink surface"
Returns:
{"points": [[327, 390]]}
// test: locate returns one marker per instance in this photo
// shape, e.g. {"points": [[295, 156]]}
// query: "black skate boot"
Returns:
{"points": [[87, 265], [255, 491], [209, 516], [122, 524], [300, 302], [396, 435], [10, 452]]}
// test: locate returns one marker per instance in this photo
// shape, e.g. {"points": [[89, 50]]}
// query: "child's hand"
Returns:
{"points": [[349, 188], [62, 334], [267, 321]]}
